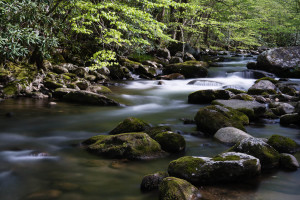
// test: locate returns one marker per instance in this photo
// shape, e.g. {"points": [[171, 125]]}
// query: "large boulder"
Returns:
{"points": [[172, 188], [153, 131], [262, 87], [211, 118], [133, 146], [283, 61], [61, 92], [130, 124], [252, 109], [282, 144], [85, 97], [170, 141], [230, 135], [268, 156], [288, 162], [226, 167], [151, 182], [290, 119], [190, 69], [207, 96], [163, 53]]}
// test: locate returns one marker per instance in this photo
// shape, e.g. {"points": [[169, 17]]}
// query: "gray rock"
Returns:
{"points": [[177, 189], [263, 86], [288, 162], [70, 67], [175, 60], [230, 135], [289, 119], [268, 156], [190, 69], [207, 96], [60, 92], [163, 53], [83, 85], [226, 167], [188, 57], [104, 70]]}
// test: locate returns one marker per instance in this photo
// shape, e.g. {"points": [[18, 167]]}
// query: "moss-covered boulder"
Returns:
{"points": [[262, 87], [289, 119], [50, 84], [10, 90], [226, 167], [59, 93], [268, 79], [245, 97], [207, 96], [283, 144], [190, 69], [268, 156], [252, 109], [83, 84], [170, 141], [288, 162], [211, 118], [119, 72], [153, 131], [59, 69], [131, 124], [99, 89], [172, 188], [230, 135], [151, 182], [85, 97], [133, 146]]}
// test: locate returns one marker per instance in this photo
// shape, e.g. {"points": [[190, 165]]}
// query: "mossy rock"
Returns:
{"points": [[171, 142], [235, 91], [172, 188], [268, 156], [61, 92], [100, 89], [267, 78], [211, 118], [262, 87], [130, 124], [288, 162], [151, 182], [10, 90], [52, 84], [244, 97], [282, 144], [204, 170], [207, 96], [133, 146], [289, 119], [190, 69], [153, 131]]}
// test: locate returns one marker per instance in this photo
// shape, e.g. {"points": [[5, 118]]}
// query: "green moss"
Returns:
{"points": [[94, 139], [141, 57], [261, 92], [67, 78], [282, 144], [226, 158], [246, 97], [153, 131], [170, 142], [187, 164], [130, 124], [10, 90], [192, 63], [268, 79], [235, 91], [249, 112]]}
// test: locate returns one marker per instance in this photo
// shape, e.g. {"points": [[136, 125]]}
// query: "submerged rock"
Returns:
{"points": [[288, 162], [130, 124], [133, 146], [268, 156], [151, 182], [252, 109], [207, 96], [85, 97], [230, 135], [190, 69], [226, 167], [170, 142], [283, 144], [172, 188], [211, 118]]}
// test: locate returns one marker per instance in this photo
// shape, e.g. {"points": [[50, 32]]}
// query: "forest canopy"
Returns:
{"points": [[99, 30]]}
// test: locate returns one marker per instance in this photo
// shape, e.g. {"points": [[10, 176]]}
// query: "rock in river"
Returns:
{"points": [[151, 182], [283, 144], [207, 96], [131, 124], [226, 167], [230, 135], [133, 146], [190, 69], [170, 141]]}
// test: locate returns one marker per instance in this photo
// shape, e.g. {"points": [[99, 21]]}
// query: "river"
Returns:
{"points": [[39, 152]]}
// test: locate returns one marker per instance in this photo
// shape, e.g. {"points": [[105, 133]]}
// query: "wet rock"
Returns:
{"points": [[230, 135], [59, 69], [268, 156], [226, 167], [283, 144], [177, 189], [119, 72], [211, 118], [81, 72], [175, 60], [207, 96], [263, 86], [60, 92], [151, 182], [173, 76], [85, 97], [190, 69], [188, 57], [99, 89], [38, 95], [163, 53], [153, 131], [83, 85], [244, 97], [170, 142], [289, 119], [282, 61], [291, 88], [236, 91], [52, 84], [282, 108], [288, 162], [104, 71], [133, 146], [252, 109], [130, 124]]}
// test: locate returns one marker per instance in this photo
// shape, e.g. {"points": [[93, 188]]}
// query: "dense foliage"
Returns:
{"points": [[101, 29]]}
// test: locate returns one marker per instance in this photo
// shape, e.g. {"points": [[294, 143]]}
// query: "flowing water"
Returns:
{"points": [[39, 152]]}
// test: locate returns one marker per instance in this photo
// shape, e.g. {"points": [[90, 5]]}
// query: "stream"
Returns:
{"points": [[40, 155]]}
